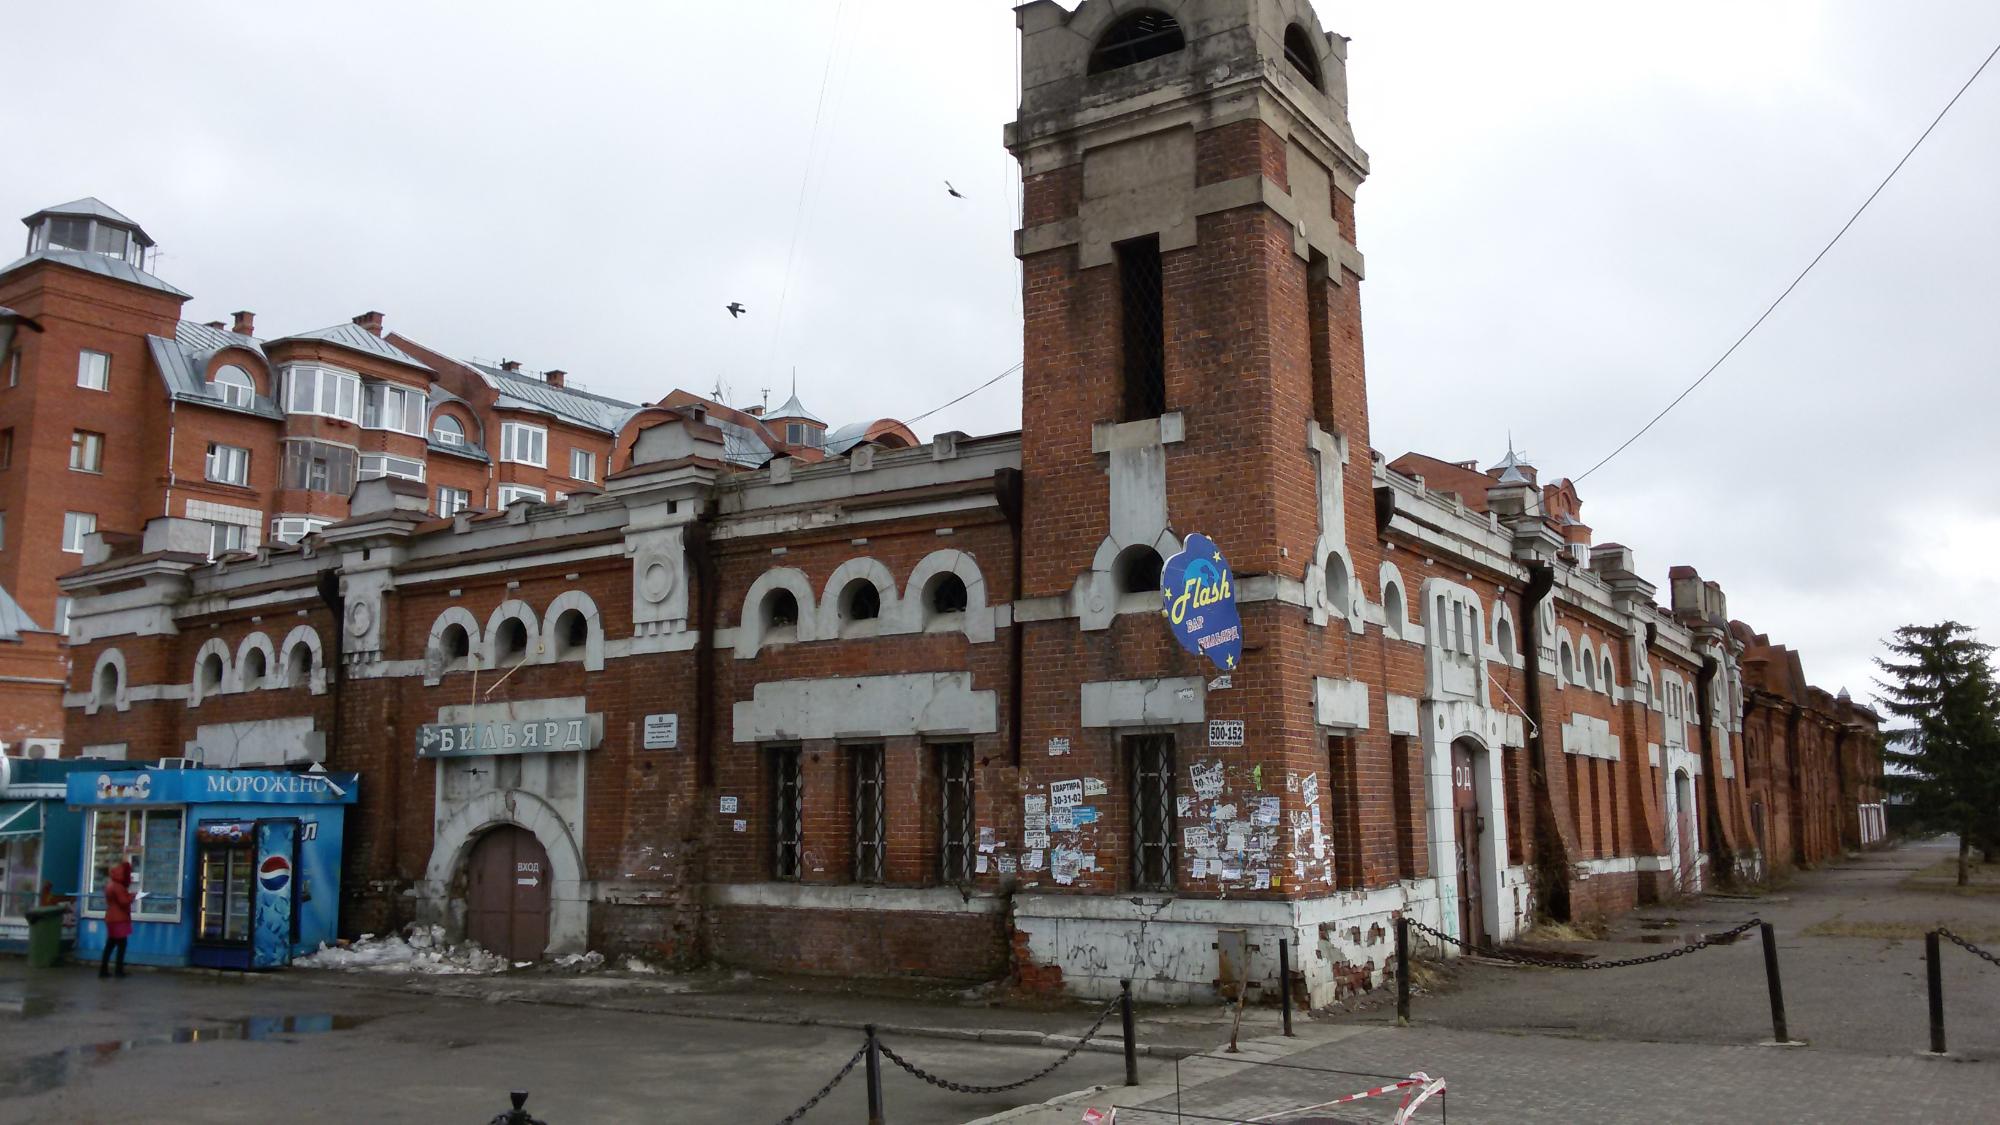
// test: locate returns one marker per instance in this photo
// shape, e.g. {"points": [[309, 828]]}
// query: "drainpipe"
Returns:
{"points": [[168, 510], [701, 552], [1718, 849], [330, 597], [1007, 489], [1550, 857]]}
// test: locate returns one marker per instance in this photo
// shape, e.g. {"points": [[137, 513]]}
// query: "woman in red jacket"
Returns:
{"points": [[117, 917]]}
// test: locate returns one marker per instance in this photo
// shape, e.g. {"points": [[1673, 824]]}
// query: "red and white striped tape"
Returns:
{"points": [[1422, 1086]]}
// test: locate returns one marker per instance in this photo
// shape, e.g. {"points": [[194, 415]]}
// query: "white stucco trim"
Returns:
{"points": [[593, 643], [1395, 618], [256, 642], [475, 642], [750, 620], [889, 616], [513, 609], [121, 697], [977, 620], [309, 637], [216, 647]]}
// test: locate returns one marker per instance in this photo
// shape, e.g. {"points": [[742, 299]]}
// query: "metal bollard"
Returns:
{"points": [[1777, 989], [874, 1078], [1285, 983], [1131, 1037], [519, 1114], [1935, 973], [1402, 971]]}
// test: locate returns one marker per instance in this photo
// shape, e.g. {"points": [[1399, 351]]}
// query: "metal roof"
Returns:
{"points": [[89, 207], [741, 445], [183, 366], [794, 409], [13, 619], [578, 408], [103, 265], [846, 438], [355, 338]]}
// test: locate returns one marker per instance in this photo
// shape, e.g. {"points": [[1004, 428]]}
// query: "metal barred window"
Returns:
{"points": [[871, 835], [955, 813], [787, 811], [1152, 767]]}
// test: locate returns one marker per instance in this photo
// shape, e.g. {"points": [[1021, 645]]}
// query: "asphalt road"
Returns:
{"points": [[163, 1047]]}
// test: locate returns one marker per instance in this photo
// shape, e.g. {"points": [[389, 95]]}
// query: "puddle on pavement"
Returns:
{"points": [[41, 1073]]}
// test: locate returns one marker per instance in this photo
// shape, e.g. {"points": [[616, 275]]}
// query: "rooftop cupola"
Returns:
{"points": [[90, 226], [801, 426]]}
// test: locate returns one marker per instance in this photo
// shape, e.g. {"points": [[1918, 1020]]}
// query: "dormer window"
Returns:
{"points": [[806, 434], [233, 385], [447, 430]]}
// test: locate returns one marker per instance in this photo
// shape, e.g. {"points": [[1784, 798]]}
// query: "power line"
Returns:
{"points": [[966, 395], [1773, 307]]}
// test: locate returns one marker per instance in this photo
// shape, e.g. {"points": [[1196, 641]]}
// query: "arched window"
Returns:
{"points": [[945, 594], [1609, 679], [456, 644], [1137, 570], [299, 665], [1136, 38], [1503, 639], [1299, 51], [107, 684], [1589, 672], [1338, 601], [210, 676], [233, 385], [512, 640], [780, 610], [1568, 664], [254, 669], [572, 634], [447, 430], [1392, 610], [860, 601]]}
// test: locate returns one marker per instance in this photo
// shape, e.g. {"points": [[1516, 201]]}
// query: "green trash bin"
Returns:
{"points": [[45, 926]]}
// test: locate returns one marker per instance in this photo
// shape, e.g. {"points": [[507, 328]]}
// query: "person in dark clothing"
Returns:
{"points": [[117, 917]]}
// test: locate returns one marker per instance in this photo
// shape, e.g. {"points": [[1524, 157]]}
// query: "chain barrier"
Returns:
{"points": [[967, 1088], [1967, 946], [1723, 938], [826, 1089]]}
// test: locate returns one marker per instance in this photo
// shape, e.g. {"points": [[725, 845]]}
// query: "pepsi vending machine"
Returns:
{"points": [[245, 893]]}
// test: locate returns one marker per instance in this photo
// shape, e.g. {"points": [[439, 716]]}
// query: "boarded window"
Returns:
{"points": [[1142, 330], [1343, 789]]}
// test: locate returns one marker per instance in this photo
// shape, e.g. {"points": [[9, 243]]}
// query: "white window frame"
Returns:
{"points": [[332, 393], [94, 890], [242, 394], [93, 451], [76, 529], [451, 501], [512, 492], [441, 437], [373, 465], [303, 525], [93, 376], [376, 398], [523, 444], [222, 459], [219, 538], [585, 460]]}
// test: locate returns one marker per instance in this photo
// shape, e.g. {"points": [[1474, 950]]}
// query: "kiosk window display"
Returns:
{"points": [[233, 869]]}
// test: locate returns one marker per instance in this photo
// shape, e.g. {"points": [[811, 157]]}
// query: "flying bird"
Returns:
{"points": [[736, 309], [955, 193]]}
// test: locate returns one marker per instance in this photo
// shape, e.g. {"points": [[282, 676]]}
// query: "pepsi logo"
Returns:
{"points": [[275, 873]]}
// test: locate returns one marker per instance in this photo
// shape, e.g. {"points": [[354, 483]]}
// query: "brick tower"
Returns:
{"points": [[1193, 364]]}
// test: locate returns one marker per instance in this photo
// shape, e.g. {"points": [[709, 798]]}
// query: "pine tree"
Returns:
{"points": [[1941, 685]]}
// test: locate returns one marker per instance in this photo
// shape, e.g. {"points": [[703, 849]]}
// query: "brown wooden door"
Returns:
{"points": [[507, 901], [1465, 808]]}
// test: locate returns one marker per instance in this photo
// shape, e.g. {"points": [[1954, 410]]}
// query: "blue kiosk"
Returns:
{"points": [[41, 839], [235, 868]]}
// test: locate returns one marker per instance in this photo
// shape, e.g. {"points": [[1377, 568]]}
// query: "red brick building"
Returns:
{"points": [[115, 409], [877, 706]]}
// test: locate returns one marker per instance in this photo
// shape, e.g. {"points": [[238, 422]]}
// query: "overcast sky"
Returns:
{"points": [[1573, 209]]}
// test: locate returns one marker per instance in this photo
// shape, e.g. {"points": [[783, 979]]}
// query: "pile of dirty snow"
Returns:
{"points": [[423, 951]]}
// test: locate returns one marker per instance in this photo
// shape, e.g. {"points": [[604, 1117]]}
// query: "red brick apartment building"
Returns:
{"points": [[880, 706]]}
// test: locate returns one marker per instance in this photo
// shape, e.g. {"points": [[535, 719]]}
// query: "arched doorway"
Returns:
{"points": [[507, 893], [1468, 825], [1687, 850]]}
